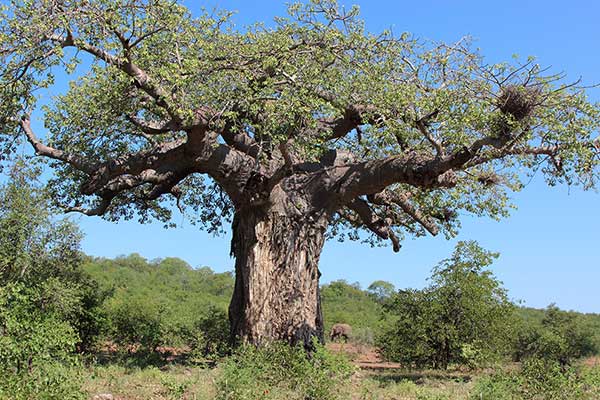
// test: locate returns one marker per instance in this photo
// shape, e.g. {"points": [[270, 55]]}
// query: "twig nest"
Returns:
{"points": [[488, 178], [518, 101]]}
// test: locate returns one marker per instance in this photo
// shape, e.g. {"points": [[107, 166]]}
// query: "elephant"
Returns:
{"points": [[339, 331]]}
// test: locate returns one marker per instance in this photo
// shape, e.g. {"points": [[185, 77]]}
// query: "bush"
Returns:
{"points": [[136, 322], [538, 379], [561, 337], [208, 336], [47, 305], [462, 317], [47, 382], [36, 349], [279, 371], [591, 380]]}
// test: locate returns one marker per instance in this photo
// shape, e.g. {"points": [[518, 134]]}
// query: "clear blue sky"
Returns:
{"points": [[550, 246]]}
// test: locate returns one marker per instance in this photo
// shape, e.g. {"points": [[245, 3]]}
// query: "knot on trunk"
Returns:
{"points": [[255, 189]]}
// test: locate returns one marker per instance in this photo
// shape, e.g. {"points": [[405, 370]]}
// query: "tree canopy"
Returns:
{"points": [[390, 133]]}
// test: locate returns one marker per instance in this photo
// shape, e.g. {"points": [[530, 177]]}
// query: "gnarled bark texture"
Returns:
{"points": [[276, 295]]}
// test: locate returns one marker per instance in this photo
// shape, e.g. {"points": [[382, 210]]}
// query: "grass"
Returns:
{"points": [[411, 385], [178, 381], [170, 382], [197, 383]]}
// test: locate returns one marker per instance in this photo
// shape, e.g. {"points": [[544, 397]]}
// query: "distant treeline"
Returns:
{"points": [[174, 295], [171, 295]]}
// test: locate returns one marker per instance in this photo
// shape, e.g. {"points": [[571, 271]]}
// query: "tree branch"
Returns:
{"points": [[240, 140], [96, 211], [414, 169], [375, 224], [47, 151], [421, 124], [140, 77], [152, 128], [402, 200], [354, 116]]}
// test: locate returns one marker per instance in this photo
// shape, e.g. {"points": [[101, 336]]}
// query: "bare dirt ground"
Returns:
{"points": [[592, 361], [364, 357]]}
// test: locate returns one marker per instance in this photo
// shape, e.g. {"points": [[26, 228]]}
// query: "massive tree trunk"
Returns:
{"points": [[276, 295]]}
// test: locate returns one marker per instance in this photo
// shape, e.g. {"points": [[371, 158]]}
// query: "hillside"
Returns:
{"points": [[178, 292]]}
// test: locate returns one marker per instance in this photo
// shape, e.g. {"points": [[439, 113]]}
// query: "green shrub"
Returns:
{"points": [[208, 336], [561, 337], [36, 348], [591, 380], [463, 317], [279, 371], [537, 380], [136, 321], [498, 386], [550, 380], [42, 253], [48, 381], [48, 305]]}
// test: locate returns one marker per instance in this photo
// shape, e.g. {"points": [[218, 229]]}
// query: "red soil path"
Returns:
{"points": [[363, 356]]}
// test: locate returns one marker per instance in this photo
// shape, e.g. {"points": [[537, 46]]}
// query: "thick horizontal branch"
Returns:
{"points": [[171, 153], [415, 169]]}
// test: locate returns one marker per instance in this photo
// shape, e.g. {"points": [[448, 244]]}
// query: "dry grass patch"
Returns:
{"points": [[151, 383]]}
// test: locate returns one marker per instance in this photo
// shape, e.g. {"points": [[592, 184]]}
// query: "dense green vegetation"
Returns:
{"points": [[559, 337], [539, 379], [48, 304], [160, 302], [463, 317], [283, 372], [164, 303], [168, 300]]}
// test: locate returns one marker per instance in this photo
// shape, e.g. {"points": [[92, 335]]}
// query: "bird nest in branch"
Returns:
{"points": [[488, 178], [518, 101]]}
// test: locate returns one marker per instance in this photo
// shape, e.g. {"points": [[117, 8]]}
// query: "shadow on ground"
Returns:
{"points": [[420, 377]]}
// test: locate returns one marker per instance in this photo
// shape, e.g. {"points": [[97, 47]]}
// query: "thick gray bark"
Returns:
{"points": [[276, 294]]}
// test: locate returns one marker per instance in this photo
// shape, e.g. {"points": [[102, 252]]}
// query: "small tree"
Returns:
{"points": [[136, 321], [381, 290], [42, 253], [48, 305], [462, 317]]}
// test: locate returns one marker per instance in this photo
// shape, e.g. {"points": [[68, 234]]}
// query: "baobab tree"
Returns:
{"points": [[303, 129]]}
